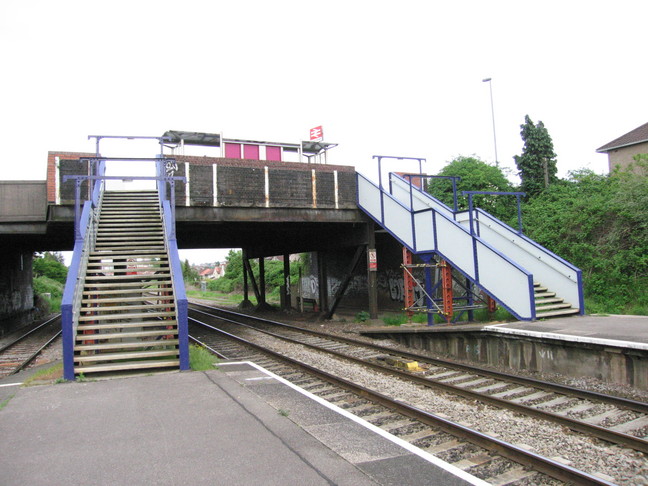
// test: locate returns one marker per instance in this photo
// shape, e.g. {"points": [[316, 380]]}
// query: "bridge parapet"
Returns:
{"points": [[228, 182]]}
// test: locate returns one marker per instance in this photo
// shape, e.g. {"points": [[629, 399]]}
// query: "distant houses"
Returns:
{"points": [[622, 150], [212, 273]]}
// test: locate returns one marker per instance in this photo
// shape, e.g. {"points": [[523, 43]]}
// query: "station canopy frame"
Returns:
{"points": [[193, 138]]}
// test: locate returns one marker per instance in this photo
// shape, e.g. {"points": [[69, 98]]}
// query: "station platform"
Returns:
{"points": [[618, 330], [238, 425]]}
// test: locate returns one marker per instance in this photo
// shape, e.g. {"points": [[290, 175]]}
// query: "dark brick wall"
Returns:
{"points": [[201, 185], [325, 190], [241, 186], [67, 189], [290, 188], [347, 189]]}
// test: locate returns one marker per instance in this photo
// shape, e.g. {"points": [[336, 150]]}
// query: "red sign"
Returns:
{"points": [[373, 261], [317, 134]]}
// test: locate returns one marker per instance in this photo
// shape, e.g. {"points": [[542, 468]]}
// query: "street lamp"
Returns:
{"points": [[490, 85]]}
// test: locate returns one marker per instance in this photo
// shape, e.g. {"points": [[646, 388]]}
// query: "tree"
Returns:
{"points": [[537, 164], [476, 175], [189, 274], [50, 265]]}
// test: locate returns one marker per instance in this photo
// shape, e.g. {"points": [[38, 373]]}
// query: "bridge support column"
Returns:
{"points": [[322, 278], [16, 293], [372, 277], [247, 304], [285, 289]]}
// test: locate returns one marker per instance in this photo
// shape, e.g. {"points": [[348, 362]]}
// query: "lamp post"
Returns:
{"points": [[490, 86]]}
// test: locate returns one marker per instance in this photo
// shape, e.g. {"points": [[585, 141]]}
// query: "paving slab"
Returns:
{"points": [[196, 428]]}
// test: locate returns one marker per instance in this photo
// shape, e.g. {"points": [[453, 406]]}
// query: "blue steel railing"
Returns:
{"points": [[430, 228], [552, 271], [491, 241], [85, 225], [167, 207]]}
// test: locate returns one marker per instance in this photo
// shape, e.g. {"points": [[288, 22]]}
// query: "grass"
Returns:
{"points": [[53, 374], [480, 315], [4, 403], [232, 299], [200, 359]]}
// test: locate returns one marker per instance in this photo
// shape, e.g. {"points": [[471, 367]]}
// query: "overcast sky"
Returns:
{"points": [[388, 78]]}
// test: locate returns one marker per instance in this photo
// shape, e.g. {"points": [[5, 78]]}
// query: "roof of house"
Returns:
{"points": [[638, 135], [207, 271]]}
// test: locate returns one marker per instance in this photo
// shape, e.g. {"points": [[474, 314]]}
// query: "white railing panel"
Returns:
{"points": [[549, 272], [424, 225], [420, 200], [369, 197], [455, 245], [398, 220], [505, 280]]}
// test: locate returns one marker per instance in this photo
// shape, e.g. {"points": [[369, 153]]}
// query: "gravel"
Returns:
{"points": [[587, 454]]}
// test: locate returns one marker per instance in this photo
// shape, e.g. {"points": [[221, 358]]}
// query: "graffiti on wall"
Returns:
{"points": [[390, 283]]}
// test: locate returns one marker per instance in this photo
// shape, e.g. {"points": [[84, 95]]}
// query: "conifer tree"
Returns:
{"points": [[537, 164]]}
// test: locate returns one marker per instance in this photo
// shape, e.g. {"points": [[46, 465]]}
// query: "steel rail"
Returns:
{"points": [[626, 403], [35, 354], [538, 463], [620, 438], [15, 341]]}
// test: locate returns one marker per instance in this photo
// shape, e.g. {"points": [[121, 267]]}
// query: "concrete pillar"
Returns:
{"points": [[322, 278], [285, 288], [372, 275], [16, 292], [262, 285]]}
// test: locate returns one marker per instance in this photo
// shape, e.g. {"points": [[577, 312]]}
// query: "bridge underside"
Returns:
{"points": [[269, 232], [262, 232]]}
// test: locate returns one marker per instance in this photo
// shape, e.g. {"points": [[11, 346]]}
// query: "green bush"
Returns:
{"points": [[200, 359]]}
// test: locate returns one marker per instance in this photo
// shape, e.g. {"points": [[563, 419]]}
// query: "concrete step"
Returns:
{"points": [[126, 355], [127, 307], [127, 335], [118, 285], [124, 325], [114, 278], [131, 345], [544, 294], [126, 316], [128, 366], [556, 313], [118, 300], [542, 308]]}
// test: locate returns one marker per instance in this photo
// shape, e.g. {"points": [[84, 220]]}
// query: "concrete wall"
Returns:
{"points": [[606, 363], [22, 201], [16, 293]]}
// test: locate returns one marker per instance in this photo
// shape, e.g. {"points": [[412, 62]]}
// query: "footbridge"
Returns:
{"points": [[124, 302]]}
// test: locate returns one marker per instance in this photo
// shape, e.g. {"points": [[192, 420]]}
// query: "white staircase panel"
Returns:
{"points": [[501, 277], [369, 197], [454, 243], [424, 224], [551, 270], [398, 220]]}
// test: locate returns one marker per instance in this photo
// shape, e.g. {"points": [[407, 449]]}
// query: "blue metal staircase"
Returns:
{"points": [[124, 305], [509, 267]]}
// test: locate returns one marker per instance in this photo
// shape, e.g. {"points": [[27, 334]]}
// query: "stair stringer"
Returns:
{"points": [[431, 230]]}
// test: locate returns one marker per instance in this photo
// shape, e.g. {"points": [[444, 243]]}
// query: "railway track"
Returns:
{"points": [[480, 454], [21, 351], [617, 420]]}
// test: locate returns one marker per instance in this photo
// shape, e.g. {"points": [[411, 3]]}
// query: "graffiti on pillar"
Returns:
{"points": [[392, 283]]}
